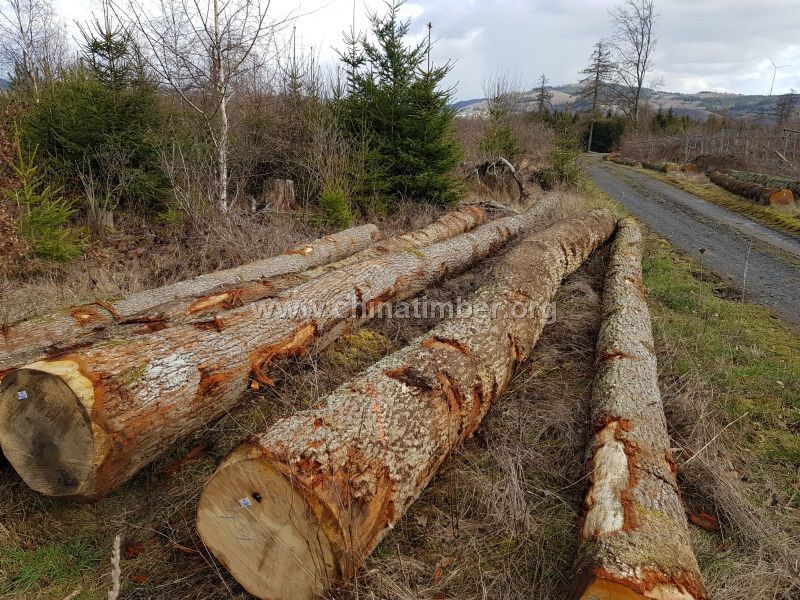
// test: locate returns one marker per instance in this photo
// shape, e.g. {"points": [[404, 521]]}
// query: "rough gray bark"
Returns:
{"points": [[136, 395], [32, 339], [311, 497], [634, 533]]}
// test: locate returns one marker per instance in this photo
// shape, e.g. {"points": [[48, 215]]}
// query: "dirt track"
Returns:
{"points": [[732, 244]]}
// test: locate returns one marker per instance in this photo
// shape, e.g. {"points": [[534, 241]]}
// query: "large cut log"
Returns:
{"points": [[662, 167], [197, 307], [91, 418], [30, 340], [754, 191], [628, 162], [773, 181], [296, 509], [634, 534]]}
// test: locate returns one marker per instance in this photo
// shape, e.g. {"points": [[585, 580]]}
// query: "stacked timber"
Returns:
{"points": [[296, 509], [80, 423], [628, 162], [198, 299], [690, 168], [662, 167], [755, 191], [634, 534], [769, 181]]}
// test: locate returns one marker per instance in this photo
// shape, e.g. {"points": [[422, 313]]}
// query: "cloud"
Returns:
{"points": [[722, 45]]}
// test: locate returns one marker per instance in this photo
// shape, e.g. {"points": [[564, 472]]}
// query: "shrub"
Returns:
{"points": [[335, 206], [564, 168], [498, 137], [81, 125], [47, 213]]}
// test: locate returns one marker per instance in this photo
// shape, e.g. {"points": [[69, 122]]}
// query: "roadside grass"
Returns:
{"points": [[781, 218]]}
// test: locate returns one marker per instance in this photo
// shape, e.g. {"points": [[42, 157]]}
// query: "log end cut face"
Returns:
{"points": [[45, 431], [262, 530], [604, 589]]}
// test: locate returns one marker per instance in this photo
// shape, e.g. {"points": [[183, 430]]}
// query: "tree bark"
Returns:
{"points": [[755, 191], [628, 162], [663, 167], [769, 181], [94, 416], [634, 534], [296, 509], [33, 339]]}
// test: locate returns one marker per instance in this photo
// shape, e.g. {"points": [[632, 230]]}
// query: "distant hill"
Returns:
{"points": [[697, 106]]}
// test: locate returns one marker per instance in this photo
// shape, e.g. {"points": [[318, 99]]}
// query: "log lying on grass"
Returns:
{"points": [[628, 162], [769, 181], [196, 308], [661, 167], [31, 339], [79, 424], [754, 191], [634, 534], [297, 509]]}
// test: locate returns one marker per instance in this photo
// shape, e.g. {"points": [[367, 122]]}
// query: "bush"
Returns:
{"points": [[82, 126], [564, 168], [498, 137], [45, 224], [335, 206]]}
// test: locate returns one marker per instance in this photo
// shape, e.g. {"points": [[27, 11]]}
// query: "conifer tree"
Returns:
{"points": [[597, 73], [544, 98], [396, 102]]}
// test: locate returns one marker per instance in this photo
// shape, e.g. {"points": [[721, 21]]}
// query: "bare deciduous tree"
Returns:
{"points": [[33, 45], [203, 49], [634, 42]]}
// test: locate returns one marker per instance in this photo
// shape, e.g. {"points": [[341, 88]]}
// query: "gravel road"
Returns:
{"points": [[745, 253]]}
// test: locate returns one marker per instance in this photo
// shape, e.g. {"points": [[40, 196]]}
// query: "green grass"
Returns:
{"points": [[784, 219], [749, 358], [28, 570]]}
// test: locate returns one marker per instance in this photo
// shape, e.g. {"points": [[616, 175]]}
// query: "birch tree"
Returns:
{"points": [[634, 42], [203, 49]]}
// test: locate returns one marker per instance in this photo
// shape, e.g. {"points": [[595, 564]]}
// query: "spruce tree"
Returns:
{"points": [[397, 105], [597, 73]]}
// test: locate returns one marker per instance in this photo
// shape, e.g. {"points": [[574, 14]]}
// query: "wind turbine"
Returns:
{"points": [[774, 73]]}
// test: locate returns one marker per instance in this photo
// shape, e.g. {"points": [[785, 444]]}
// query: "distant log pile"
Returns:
{"points": [[661, 167], [628, 162], [634, 534], [754, 191], [105, 410], [317, 491], [769, 181]]}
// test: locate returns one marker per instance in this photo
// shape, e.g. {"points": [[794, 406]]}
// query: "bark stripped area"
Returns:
{"points": [[362, 456], [32, 339], [149, 390], [634, 533], [755, 191]]}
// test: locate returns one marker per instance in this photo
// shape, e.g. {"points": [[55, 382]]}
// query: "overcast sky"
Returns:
{"points": [[719, 45]]}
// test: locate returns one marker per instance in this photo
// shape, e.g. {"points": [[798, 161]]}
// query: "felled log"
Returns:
{"points": [[634, 533], [202, 307], [91, 418], [690, 168], [661, 167], [34, 338], [754, 191], [768, 181], [628, 162], [296, 509]]}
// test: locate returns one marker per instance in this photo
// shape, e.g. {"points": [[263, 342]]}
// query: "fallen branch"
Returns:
{"points": [[490, 167], [297, 509]]}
